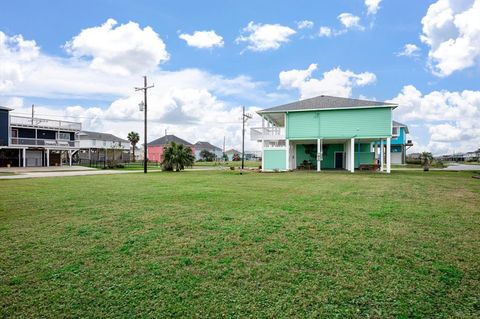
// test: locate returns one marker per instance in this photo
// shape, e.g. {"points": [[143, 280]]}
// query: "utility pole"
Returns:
{"points": [[143, 106], [245, 118]]}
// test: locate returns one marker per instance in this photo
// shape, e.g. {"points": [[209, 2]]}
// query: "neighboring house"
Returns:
{"points": [[253, 155], [472, 156], [231, 152], [96, 146], [325, 132], [399, 143], [200, 146], [31, 141], [155, 148]]}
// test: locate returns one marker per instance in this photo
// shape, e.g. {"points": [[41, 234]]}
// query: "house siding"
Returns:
{"points": [[275, 159], [339, 123]]}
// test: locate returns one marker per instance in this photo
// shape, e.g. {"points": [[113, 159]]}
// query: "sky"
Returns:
{"points": [[80, 61]]}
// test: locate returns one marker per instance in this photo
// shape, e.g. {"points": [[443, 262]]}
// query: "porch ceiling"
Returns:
{"points": [[335, 141], [278, 119]]}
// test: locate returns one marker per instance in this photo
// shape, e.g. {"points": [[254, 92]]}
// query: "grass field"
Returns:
{"points": [[221, 244]]}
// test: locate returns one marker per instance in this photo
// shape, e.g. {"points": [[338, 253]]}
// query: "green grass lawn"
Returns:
{"points": [[230, 163], [221, 244]]}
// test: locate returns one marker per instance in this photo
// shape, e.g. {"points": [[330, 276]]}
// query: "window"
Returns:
{"points": [[63, 136], [395, 130]]}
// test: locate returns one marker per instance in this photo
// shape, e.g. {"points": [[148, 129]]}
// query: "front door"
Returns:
{"points": [[339, 160]]}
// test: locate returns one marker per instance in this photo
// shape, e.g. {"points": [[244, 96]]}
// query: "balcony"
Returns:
{"points": [[267, 133], [47, 143], [24, 121]]}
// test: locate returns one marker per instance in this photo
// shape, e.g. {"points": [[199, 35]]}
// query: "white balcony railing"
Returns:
{"points": [[25, 121], [43, 142], [267, 133]]}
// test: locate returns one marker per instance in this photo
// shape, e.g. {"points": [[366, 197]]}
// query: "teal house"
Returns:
{"points": [[400, 143], [326, 132]]}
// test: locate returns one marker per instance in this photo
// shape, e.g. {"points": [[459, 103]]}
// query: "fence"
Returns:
{"points": [[115, 164]]}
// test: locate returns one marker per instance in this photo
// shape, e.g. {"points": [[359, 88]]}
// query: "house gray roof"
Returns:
{"points": [[167, 139], [326, 102], [232, 151], [206, 146], [5, 108], [89, 135], [395, 123]]}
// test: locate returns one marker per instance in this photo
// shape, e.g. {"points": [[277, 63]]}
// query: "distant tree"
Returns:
{"points": [[207, 156], [236, 157], [133, 137], [225, 157], [426, 158], [176, 157]]}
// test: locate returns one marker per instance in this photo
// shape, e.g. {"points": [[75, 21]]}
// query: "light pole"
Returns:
{"points": [[245, 118], [143, 107]]}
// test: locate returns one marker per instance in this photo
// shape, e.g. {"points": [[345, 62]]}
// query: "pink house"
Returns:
{"points": [[155, 148]]}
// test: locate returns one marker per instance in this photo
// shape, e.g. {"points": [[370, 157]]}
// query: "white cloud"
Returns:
{"points": [[452, 30], [334, 82], [451, 118], [123, 50], [14, 51], [305, 24], [203, 39], [409, 50], [350, 21], [191, 103], [372, 6], [325, 32], [263, 37]]}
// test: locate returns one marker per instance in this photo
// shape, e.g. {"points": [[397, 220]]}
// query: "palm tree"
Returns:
{"points": [[176, 157], [426, 158], [133, 137]]}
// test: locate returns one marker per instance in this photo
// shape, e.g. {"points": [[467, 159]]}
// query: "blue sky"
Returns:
{"points": [[365, 49]]}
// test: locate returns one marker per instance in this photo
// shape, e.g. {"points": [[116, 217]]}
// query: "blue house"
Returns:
{"points": [[399, 143], [31, 141]]}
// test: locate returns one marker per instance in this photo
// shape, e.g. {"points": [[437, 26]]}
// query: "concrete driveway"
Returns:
{"points": [[62, 171]]}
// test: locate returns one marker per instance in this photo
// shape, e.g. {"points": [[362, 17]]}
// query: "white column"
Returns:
{"points": [[375, 150], [70, 158], [352, 155], [389, 158], [381, 155], [24, 156], [346, 147], [263, 144], [48, 157], [287, 154], [318, 153]]}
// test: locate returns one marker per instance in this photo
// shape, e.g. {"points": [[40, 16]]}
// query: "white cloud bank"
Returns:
{"points": [[263, 37], [451, 118], [452, 31], [334, 82], [191, 103], [203, 39]]}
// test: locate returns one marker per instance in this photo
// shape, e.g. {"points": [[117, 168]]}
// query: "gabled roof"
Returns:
{"points": [[89, 135], [234, 151], [206, 146], [327, 102], [398, 124], [167, 139]]}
